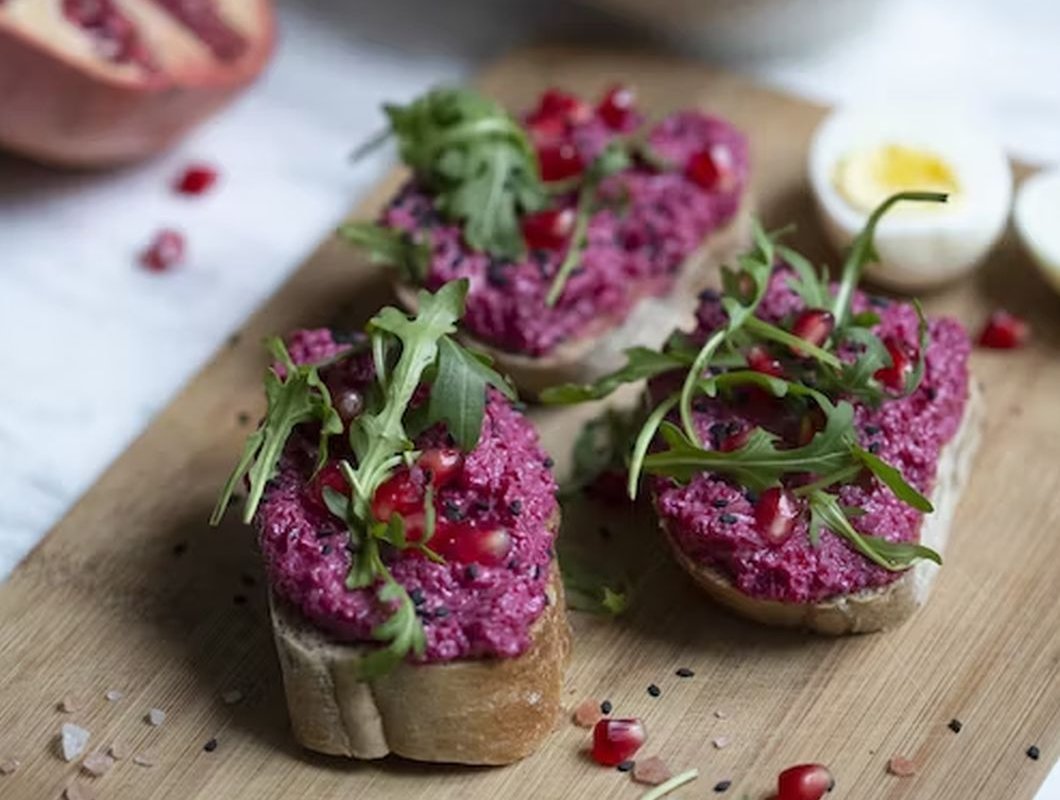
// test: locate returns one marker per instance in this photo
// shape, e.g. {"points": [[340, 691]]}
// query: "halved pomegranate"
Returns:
{"points": [[98, 82]]}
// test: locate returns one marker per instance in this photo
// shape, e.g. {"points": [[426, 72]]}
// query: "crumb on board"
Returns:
{"points": [[156, 717], [78, 791], [72, 740], [901, 766], [232, 697], [720, 742], [67, 705], [718, 713], [113, 695], [97, 764], [145, 759], [651, 771], [587, 714], [9, 765], [118, 751]]}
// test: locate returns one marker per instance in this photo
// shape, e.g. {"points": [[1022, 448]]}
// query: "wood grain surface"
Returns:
{"points": [[132, 591]]}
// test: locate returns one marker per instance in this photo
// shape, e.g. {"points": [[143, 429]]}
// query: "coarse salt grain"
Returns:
{"points": [[587, 714], [8, 766], [73, 739], [118, 751], [232, 697], [651, 770], [97, 764], [67, 705], [145, 759], [75, 791], [156, 717], [720, 742], [902, 767], [113, 695]]}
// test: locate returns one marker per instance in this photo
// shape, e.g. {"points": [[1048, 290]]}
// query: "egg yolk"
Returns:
{"points": [[866, 178]]}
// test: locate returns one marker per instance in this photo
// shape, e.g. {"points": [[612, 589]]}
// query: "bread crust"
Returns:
{"points": [[586, 358], [475, 711], [871, 609]]}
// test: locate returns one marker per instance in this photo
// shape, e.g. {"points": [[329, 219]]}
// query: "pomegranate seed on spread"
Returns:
{"points": [[165, 251], [616, 740], [493, 508], [587, 714], [1004, 331], [196, 179], [902, 767], [618, 108], [651, 770]]}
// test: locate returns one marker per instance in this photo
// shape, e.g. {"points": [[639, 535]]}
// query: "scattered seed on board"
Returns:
{"points": [[654, 690], [685, 672], [722, 786], [72, 740], [113, 695], [9, 766], [901, 766], [605, 707], [955, 725], [1033, 753], [651, 770], [720, 742], [97, 764], [156, 717], [210, 746], [232, 697], [626, 766]]}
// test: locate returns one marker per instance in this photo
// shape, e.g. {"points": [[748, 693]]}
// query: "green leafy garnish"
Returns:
{"points": [[814, 377], [390, 246], [458, 394], [602, 445], [476, 160]]}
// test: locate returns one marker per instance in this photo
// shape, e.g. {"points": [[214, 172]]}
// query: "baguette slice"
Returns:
{"points": [[486, 711], [871, 609], [650, 322]]}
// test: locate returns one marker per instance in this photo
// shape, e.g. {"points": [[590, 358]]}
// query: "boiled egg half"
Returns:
{"points": [[860, 158], [1038, 222]]}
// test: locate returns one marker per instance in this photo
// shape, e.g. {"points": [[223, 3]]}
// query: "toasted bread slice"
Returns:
{"points": [[483, 711], [650, 322], [871, 609]]}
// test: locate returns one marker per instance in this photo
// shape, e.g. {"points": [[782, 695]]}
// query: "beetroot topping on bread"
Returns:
{"points": [[795, 435], [562, 221]]}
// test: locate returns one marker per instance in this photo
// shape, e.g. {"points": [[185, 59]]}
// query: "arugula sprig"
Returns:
{"points": [[391, 247], [832, 455], [406, 352]]}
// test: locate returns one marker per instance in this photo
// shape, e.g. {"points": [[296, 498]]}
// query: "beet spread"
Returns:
{"points": [[712, 520], [468, 609], [651, 222]]}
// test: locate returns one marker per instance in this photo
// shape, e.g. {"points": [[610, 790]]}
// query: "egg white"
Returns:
{"points": [[917, 250], [1037, 216]]}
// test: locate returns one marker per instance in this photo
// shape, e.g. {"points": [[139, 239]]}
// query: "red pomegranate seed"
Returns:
{"points": [[559, 161], [558, 104], [703, 170], [616, 740], [196, 179], [618, 107], [814, 325], [467, 543], [759, 359], [1004, 331], [398, 494], [775, 515], [166, 250], [548, 230], [443, 463], [902, 358], [734, 441], [810, 423], [804, 782], [330, 476]]}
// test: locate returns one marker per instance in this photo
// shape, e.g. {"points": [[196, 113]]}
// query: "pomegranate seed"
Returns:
{"points": [[902, 358], [775, 514], [548, 230], [330, 476], [466, 543], [810, 423], [734, 441], [558, 104], [804, 782], [617, 107], [559, 161], [759, 359], [398, 494], [196, 179], [443, 464], [166, 250], [814, 325], [1004, 331], [616, 740], [710, 169]]}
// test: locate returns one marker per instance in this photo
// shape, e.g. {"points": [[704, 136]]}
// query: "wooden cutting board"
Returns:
{"points": [[133, 592]]}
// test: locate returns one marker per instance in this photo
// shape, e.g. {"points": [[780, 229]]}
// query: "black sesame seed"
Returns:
{"points": [[549, 462], [708, 295], [685, 672], [1033, 753], [210, 746], [537, 571], [721, 502], [441, 612], [516, 507], [625, 766], [955, 725], [728, 519], [931, 393], [871, 430], [416, 595], [722, 786], [482, 505], [471, 571], [180, 548], [654, 690], [325, 550], [874, 448], [878, 302], [513, 564], [239, 599], [452, 511], [605, 707]]}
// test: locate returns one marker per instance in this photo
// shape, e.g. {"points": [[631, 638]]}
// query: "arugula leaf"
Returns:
{"points": [[391, 247], [912, 380], [614, 158], [893, 480], [807, 283], [602, 444], [402, 632], [586, 587], [476, 160], [458, 393], [641, 363], [300, 396]]}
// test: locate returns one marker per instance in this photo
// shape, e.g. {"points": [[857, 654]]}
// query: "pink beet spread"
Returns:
{"points": [[635, 247], [468, 611], [712, 519]]}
